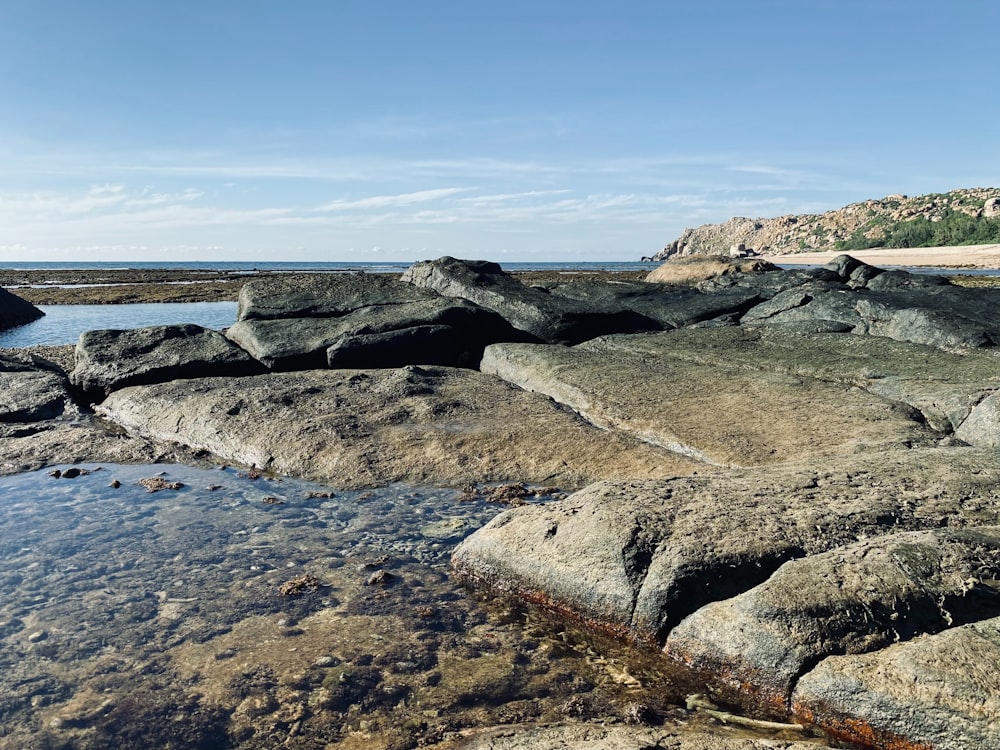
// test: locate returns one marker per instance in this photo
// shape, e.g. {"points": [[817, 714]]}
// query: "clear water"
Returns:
{"points": [[386, 267], [63, 324], [241, 612]]}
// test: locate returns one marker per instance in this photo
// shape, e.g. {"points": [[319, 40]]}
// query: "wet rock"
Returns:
{"points": [[735, 410], [851, 600], [939, 691], [107, 360], [353, 428], [15, 311], [303, 343], [635, 558], [611, 737], [547, 317]]}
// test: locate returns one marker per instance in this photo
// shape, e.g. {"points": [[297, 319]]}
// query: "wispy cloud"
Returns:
{"points": [[382, 201]]}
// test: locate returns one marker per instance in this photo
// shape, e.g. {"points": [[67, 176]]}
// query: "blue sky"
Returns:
{"points": [[518, 131]]}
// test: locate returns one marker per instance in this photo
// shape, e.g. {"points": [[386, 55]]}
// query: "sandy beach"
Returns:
{"points": [[962, 256]]}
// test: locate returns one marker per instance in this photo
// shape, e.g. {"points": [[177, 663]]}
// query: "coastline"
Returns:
{"points": [[957, 256]]}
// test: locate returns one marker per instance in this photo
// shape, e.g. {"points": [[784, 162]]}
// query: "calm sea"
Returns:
{"points": [[331, 267]]}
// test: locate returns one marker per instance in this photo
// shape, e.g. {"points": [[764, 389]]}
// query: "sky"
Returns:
{"points": [[335, 130]]}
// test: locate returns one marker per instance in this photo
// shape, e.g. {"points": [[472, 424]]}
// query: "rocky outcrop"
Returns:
{"points": [[936, 692], [690, 269], [311, 342], [31, 389], [15, 311], [107, 360], [358, 428], [858, 598], [870, 220], [554, 318], [635, 558]]}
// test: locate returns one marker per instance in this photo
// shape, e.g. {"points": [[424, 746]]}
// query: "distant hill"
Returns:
{"points": [[962, 217]]}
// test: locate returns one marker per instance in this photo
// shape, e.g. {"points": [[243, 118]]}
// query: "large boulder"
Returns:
{"points": [[851, 600], [31, 389], [636, 557], [15, 311], [362, 428], [303, 343], [322, 295], [939, 692], [107, 360], [547, 317], [733, 410], [691, 269]]}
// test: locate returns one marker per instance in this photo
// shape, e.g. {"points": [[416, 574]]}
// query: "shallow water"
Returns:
{"points": [[249, 612], [63, 324]]}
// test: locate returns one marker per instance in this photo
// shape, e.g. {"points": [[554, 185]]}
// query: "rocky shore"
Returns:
{"points": [[786, 482]]}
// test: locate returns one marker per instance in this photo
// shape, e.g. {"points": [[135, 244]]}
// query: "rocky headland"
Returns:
{"points": [[786, 481], [959, 217]]}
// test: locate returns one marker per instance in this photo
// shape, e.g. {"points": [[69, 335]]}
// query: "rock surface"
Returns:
{"points": [[635, 558], [734, 410], [854, 599], [303, 343], [547, 317], [690, 269], [31, 389], [936, 692], [354, 428], [107, 360], [15, 311]]}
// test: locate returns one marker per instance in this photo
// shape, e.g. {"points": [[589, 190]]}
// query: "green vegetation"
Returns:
{"points": [[953, 228]]}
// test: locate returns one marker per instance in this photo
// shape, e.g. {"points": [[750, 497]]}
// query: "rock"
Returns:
{"points": [[690, 269], [358, 428], [322, 295], [31, 389], [15, 311], [851, 600], [582, 736], [636, 557], [939, 691], [733, 410], [982, 427], [303, 343], [107, 360], [547, 317]]}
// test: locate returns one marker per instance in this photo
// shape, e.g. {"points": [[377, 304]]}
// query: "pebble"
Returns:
{"points": [[38, 635]]}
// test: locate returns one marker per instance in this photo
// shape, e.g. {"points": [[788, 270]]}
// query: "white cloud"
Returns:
{"points": [[383, 201]]}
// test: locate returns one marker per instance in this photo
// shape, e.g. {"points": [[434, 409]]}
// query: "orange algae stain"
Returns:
{"points": [[846, 728]]}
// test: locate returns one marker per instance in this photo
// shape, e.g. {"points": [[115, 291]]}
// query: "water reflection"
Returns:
{"points": [[63, 324]]}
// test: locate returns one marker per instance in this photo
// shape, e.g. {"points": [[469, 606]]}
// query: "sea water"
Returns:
{"points": [[166, 605]]}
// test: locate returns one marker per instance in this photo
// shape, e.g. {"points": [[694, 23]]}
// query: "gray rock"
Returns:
{"points": [[851, 600], [634, 558], [732, 410], [937, 692], [107, 360], [363, 428], [418, 345], [547, 317], [322, 295], [982, 427], [31, 389], [582, 736], [302, 343], [15, 311]]}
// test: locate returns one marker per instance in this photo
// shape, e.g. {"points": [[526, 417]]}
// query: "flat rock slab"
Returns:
{"points": [[31, 389], [722, 413], [322, 295], [355, 428], [944, 386], [107, 360], [940, 692], [851, 600], [15, 311], [636, 557]]}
